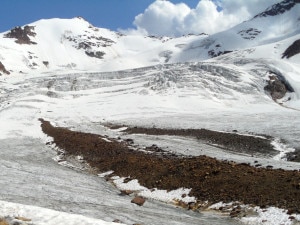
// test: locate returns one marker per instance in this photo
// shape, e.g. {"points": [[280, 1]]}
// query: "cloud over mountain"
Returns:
{"points": [[163, 18]]}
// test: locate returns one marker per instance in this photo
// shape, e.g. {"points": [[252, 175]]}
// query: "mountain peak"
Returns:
{"points": [[278, 8]]}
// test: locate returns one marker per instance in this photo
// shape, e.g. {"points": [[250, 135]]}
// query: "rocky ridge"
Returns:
{"points": [[278, 8]]}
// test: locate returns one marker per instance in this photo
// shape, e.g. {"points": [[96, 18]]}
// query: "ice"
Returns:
{"points": [[133, 86], [43, 216], [160, 195], [193, 100]]}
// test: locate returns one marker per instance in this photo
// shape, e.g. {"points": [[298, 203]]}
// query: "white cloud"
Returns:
{"points": [[163, 18]]}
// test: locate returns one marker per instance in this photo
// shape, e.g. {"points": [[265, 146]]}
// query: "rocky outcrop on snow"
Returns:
{"points": [[2, 69], [294, 49], [212, 53], [89, 43], [278, 8], [250, 33], [277, 86], [138, 200], [22, 34]]}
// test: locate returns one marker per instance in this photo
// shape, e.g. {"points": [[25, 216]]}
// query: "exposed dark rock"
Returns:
{"points": [[22, 34], [276, 88], [138, 200], [129, 141], [126, 192], [294, 49], [238, 211], [2, 69], [213, 53], [46, 63], [89, 44], [278, 8], [249, 34], [277, 85], [294, 156], [97, 54]]}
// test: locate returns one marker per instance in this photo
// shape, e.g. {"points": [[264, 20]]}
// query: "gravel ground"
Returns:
{"points": [[210, 179]]}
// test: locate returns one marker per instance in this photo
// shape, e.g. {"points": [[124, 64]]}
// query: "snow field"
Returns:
{"points": [[43, 216]]}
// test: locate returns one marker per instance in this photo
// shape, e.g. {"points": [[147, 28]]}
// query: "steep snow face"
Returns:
{"points": [[60, 44], [261, 30]]}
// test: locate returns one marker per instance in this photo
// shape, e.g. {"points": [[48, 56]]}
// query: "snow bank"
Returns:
{"points": [[180, 194], [43, 216], [271, 216], [257, 215]]}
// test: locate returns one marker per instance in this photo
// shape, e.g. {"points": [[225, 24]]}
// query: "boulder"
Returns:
{"points": [[138, 200]]}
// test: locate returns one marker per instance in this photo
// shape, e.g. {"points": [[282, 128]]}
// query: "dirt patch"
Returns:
{"points": [[229, 141], [210, 179]]}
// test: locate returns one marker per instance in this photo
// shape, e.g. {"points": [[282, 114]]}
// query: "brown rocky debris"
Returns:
{"points": [[210, 179], [138, 200], [126, 192], [3, 222], [230, 141]]}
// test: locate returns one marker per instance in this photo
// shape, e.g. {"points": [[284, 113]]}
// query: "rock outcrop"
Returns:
{"points": [[294, 49], [3, 69], [276, 88], [278, 8], [22, 34]]}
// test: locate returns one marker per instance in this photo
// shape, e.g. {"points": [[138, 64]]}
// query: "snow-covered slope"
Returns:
{"points": [[278, 26], [60, 44], [73, 74]]}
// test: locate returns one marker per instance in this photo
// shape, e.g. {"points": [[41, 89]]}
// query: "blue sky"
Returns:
{"points": [[147, 17], [112, 14]]}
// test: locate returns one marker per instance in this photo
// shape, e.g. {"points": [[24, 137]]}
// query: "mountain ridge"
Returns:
{"points": [[278, 8], [75, 44]]}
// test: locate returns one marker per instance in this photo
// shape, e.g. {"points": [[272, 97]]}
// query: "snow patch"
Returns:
{"points": [[180, 194], [256, 215], [282, 148], [43, 216]]}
